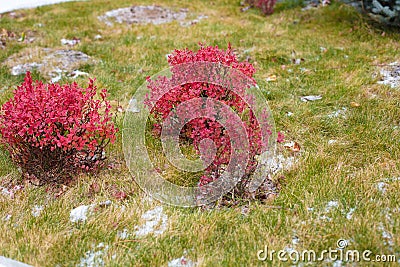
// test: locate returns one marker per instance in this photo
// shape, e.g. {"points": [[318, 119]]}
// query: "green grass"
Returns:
{"points": [[366, 152]]}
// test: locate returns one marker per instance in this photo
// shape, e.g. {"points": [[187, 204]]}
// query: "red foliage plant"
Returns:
{"points": [[266, 6], [195, 130], [53, 132]]}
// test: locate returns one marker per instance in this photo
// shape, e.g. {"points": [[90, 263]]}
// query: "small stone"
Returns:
{"points": [[338, 113], [390, 75], [330, 142], [310, 98], [79, 214], [76, 73], [36, 210], [133, 106], [70, 42]]}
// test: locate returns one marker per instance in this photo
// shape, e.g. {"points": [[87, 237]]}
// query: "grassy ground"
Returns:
{"points": [[341, 51]]}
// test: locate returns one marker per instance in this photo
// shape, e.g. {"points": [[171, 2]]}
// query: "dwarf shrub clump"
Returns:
{"points": [[162, 102], [54, 132], [266, 6]]}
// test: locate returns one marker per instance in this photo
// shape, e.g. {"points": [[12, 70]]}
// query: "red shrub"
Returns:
{"points": [[53, 132], [206, 128]]}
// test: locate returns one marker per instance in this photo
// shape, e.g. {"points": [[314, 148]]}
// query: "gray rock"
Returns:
{"points": [[50, 63], [6, 262], [385, 11], [142, 15]]}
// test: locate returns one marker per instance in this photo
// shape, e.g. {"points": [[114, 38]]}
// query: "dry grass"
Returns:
{"points": [[341, 51]]}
